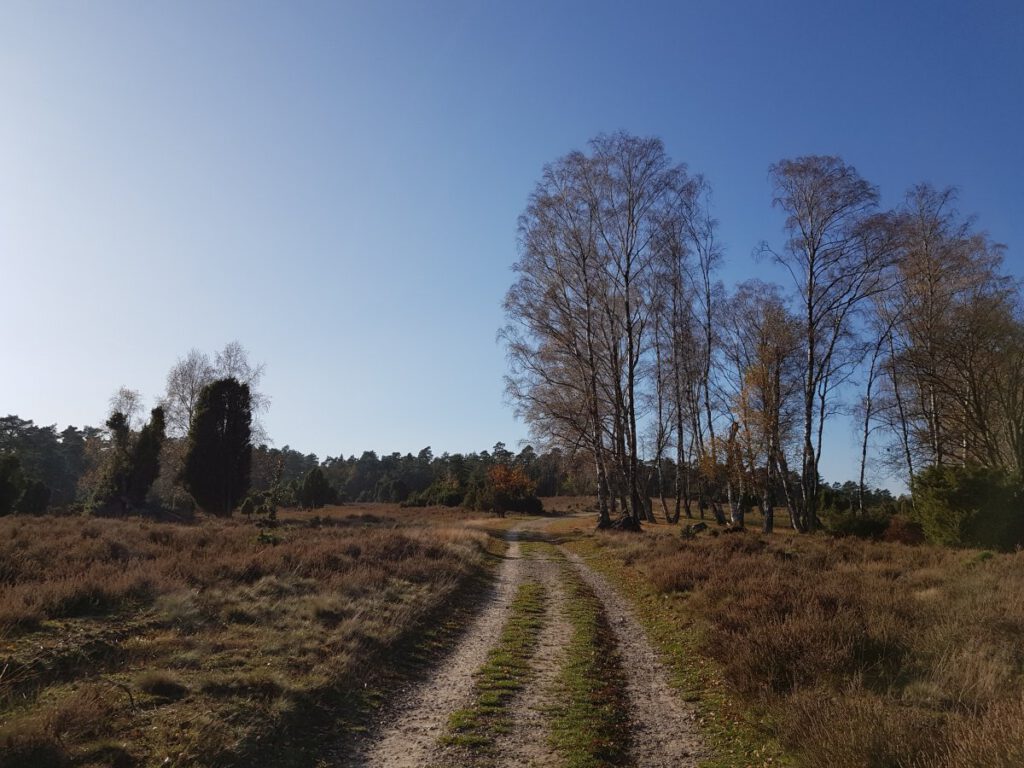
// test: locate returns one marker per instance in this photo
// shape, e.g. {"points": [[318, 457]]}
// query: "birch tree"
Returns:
{"points": [[836, 256], [583, 304]]}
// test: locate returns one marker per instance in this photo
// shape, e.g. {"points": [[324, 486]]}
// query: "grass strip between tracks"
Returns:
{"points": [[507, 670]]}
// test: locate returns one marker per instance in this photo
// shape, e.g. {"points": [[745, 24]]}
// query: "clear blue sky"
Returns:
{"points": [[337, 185]]}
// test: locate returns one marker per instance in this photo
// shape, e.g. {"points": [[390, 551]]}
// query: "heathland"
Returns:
{"points": [[370, 634]]}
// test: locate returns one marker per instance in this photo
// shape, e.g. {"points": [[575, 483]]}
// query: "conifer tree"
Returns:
{"points": [[11, 482], [132, 463], [145, 463], [112, 493], [218, 464], [315, 491]]}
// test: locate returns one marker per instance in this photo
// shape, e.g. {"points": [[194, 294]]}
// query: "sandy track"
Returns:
{"points": [[409, 739], [526, 744], [664, 730]]}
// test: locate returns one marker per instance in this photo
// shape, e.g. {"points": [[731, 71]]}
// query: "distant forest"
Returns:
{"points": [[132, 466], [68, 464]]}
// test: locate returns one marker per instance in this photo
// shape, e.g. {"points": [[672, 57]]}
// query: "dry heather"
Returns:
{"points": [[125, 642], [861, 654]]}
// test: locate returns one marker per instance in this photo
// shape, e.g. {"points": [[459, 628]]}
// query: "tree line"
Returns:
{"points": [[626, 348], [204, 447]]}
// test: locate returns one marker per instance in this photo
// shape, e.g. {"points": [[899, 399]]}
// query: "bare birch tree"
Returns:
{"points": [[837, 260], [584, 300], [191, 373]]}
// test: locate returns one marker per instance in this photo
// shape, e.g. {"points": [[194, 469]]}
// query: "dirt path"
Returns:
{"points": [[526, 744], [664, 727], [410, 739]]}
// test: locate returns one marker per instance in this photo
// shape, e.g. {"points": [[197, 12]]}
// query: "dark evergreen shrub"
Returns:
{"points": [[969, 506], [12, 482], [871, 525], [218, 463], [34, 499], [315, 492]]}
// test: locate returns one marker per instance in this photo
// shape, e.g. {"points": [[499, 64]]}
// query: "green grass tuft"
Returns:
{"points": [[589, 726], [504, 674]]}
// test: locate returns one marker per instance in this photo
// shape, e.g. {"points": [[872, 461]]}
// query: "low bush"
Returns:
{"points": [[871, 525], [160, 683], [970, 506], [506, 489], [314, 492], [31, 748], [440, 493], [904, 531], [856, 653]]}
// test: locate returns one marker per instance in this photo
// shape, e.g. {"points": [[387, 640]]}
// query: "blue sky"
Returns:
{"points": [[337, 185]]}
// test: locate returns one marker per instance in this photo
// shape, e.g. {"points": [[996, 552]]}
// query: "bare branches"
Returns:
{"points": [[623, 344], [586, 302], [839, 256]]}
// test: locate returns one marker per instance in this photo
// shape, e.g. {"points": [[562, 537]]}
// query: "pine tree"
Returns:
{"points": [[145, 460], [315, 491], [12, 482], [218, 464], [112, 493]]}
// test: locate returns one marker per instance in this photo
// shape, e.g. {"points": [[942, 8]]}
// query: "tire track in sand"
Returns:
{"points": [[664, 731], [409, 739], [527, 744]]}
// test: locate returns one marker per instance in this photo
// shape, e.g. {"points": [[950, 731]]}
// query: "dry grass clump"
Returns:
{"points": [[83, 714], [127, 641], [866, 654], [159, 683]]}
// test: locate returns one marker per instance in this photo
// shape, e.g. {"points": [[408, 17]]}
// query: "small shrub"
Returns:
{"points": [[266, 537], [443, 492], [904, 531], [871, 525], [969, 506], [528, 505], [416, 500], [31, 748], [162, 684], [858, 730], [84, 714]]}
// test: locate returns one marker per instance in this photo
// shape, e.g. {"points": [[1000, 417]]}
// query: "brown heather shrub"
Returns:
{"points": [[904, 531], [868, 654], [856, 728], [129, 641], [993, 741], [38, 741], [83, 714], [67, 567], [29, 746]]}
